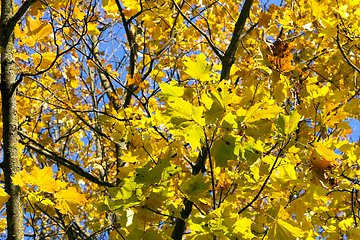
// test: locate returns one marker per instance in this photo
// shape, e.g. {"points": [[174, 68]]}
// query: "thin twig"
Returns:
{"points": [[267, 179]]}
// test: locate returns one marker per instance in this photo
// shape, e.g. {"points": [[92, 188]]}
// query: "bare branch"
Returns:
{"points": [[38, 148]]}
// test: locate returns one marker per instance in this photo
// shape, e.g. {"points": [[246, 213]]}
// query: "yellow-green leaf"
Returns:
{"points": [[195, 187]]}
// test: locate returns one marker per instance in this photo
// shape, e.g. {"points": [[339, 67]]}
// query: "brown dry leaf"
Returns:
{"points": [[281, 56]]}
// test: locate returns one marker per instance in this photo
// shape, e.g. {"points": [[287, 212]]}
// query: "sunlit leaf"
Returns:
{"points": [[3, 196], [69, 200], [200, 69], [170, 92]]}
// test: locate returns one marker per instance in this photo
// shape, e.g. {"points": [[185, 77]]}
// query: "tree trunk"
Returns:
{"points": [[10, 164]]}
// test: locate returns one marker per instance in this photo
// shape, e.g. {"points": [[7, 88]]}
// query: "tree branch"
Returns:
{"points": [[212, 45], [38, 148], [343, 53], [18, 15], [229, 57], [180, 226]]}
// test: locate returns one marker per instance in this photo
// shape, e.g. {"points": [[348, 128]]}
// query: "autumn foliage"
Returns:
{"points": [[195, 119]]}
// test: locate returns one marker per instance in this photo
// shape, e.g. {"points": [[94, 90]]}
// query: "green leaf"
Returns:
{"points": [[125, 191], [280, 122], [199, 69], [195, 187], [253, 151], [229, 121], [225, 149]]}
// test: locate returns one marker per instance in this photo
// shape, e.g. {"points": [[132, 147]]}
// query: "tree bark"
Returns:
{"points": [[11, 163]]}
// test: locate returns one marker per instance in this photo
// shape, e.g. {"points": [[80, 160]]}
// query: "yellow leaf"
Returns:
{"points": [[127, 157], [3, 224], [131, 7], [243, 227], [74, 83], [354, 233], [20, 180], [92, 29], [198, 69], [69, 200], [130, 3], [37, 31], [136, 140], [281, 56], [22, 56], [44, 60], [285, 230], [135, 80], [110, 8], [78, 14], [327, 154], [43, 178], [3, 196]]}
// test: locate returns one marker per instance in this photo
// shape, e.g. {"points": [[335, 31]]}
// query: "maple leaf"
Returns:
{"points": [[327, 160], [195, 187], [92, 29], [110, 8], [42, 178], [241, 122], [199, 69], [288, 124], [44, 60], [283, 229], [69, 200], [3, 196], [134, 80], [280, 55], [225, 149], [170, 91], [37, 31]]}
